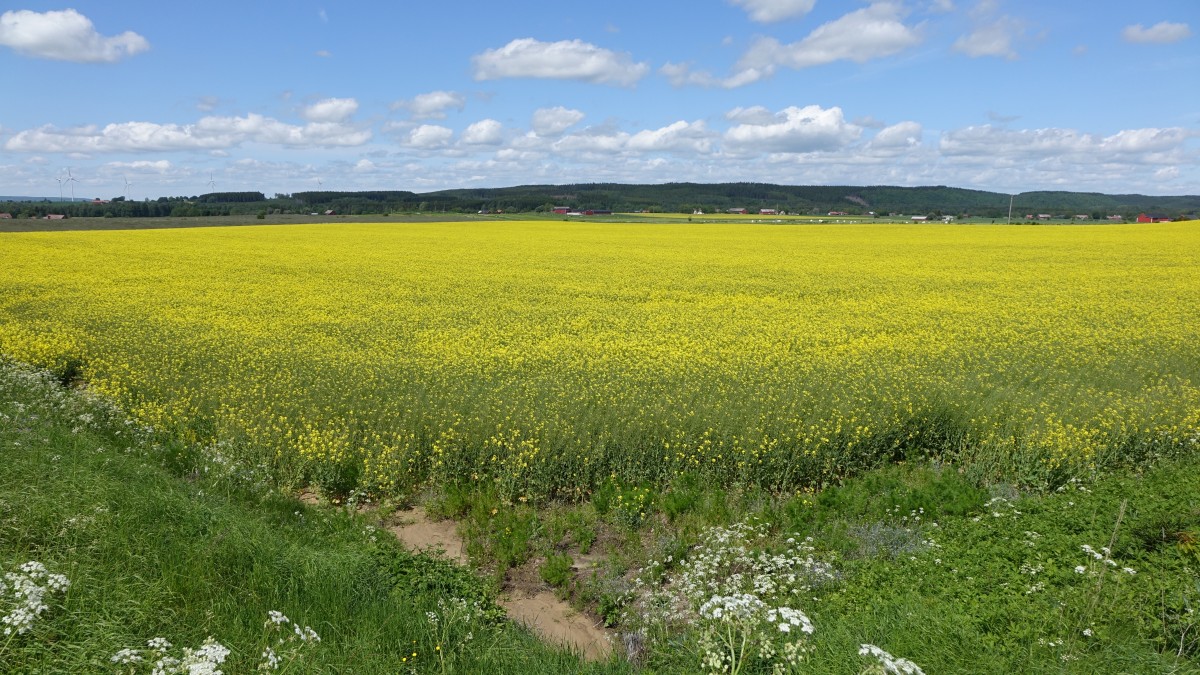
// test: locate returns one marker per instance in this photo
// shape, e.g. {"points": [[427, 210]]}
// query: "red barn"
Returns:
{"points": [[1153, 218]]}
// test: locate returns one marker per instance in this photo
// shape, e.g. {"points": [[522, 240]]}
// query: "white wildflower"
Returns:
{"points": [[891, 664]]}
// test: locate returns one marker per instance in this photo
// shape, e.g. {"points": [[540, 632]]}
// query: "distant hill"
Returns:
{"points": [[618, 197], [812, 199], [4, 198]]}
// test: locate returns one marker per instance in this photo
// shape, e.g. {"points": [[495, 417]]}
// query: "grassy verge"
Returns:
{"points": [[149, 554], [911, 565], [913, 559]]}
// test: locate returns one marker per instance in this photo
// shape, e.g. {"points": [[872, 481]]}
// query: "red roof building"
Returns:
{"points": [[1153, 218]]}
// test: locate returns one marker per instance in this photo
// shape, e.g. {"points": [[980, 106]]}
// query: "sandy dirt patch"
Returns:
{"points": [[525, 601]]}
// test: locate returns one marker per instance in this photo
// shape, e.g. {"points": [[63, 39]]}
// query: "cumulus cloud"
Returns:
{"points": [[432, 105], [905, 135], [483, 132], [429, 136], [685, 137], [65, 35], [793, 130], [1163, 33], [770, 11], [602, 143], [860, 36], [554, 121], [563, 60], [331, 110], [987, 141], [209, 133]]}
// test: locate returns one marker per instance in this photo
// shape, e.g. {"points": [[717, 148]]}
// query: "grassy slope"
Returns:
{"points": [[151, 554]]}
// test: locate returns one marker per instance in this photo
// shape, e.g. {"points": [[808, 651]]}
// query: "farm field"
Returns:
{"points": [[548, 358], [743, 448]]}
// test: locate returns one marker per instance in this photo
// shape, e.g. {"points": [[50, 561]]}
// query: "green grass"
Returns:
{"points": [[923, 561], [152, 554]]}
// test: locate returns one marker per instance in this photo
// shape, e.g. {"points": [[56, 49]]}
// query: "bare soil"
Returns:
{"points": [[525, 597]]}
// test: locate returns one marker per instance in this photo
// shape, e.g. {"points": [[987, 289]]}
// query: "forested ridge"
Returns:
{"points": [[665, 198]]}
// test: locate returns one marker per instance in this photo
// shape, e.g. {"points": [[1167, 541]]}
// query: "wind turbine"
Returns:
{"points": [[71, 179], [212, 184], [127, 184], [60, 180], [319, 184]]}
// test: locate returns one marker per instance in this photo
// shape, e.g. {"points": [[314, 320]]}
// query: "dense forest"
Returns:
{"points": [[667, 197]]}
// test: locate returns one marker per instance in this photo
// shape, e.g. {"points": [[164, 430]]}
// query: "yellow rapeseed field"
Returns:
{"points": [[548, 357]]}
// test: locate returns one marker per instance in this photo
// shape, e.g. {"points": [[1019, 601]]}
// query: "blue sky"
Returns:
{"points": [[1005, 95]]}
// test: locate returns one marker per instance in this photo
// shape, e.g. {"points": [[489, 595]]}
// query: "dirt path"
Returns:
{"points": [[530, 604]]}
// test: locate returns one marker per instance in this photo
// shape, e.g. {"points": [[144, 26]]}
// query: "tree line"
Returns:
{"points": [[617, 197]]}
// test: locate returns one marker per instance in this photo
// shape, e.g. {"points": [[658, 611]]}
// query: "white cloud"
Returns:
{"points": [[770, 11], [563, 60], [331, 110], [429, 136], [1167, 173], [603, 143], [679, 136], [905, 135], [1162, 33], [432, 105], [65, 35], [323, 53], [591, 143], [752, 115], [860, 36], [484, 132], [793, 130], [143, 166], [1131, 145], [994, 38], [209, 133], [554, 121]]}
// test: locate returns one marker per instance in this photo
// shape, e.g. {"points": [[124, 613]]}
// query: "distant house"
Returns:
{"points": [[562, 210], [1082, 216], [1044, 216], [838, 213], [920, 219], [4, 216], [99, 201], [740, 212], [55, 216], [331, 212], [1114, 217], [768, 212], [1153, 218]]}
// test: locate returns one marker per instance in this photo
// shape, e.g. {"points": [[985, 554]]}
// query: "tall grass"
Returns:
{"points": [[154, 555]]}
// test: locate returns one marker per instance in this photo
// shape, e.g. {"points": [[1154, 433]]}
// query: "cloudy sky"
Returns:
{"points": [[1005, 95]]}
